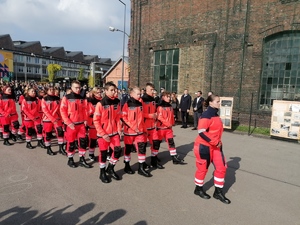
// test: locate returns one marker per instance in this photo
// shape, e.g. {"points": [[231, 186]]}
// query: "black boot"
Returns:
{"points": [[199, 191], [128, 169], [176, 160], [83, 163], [103, 177], [110, 170], [218, 194], [142, 171], [61, 149], [155, 164], [49, 151], [71, 163], [13, 137], [29, 146], [41, 144], [19, 137], [92, 157], [6, 142]]}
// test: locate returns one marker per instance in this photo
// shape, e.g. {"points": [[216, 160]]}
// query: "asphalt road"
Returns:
{"points": [[262, 181]]}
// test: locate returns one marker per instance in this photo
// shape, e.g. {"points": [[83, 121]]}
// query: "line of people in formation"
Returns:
{"points": [[83, 123]]}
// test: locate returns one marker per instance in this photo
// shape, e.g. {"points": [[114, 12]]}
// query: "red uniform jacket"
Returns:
{"points": [[210, 128], [107, 117], [50, 106], [149, 107], [132, 116], [21, 98], [165, 115], [30, 107], [7, 105], [73, 109], [91, 105]]}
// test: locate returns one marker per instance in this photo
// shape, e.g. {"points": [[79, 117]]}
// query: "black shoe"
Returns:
{"points": [[146, 166], [61, 149], [142, 171], [29, 146], [20, 137], [133, 149], [128, 169], [182, 126], [218, 194], [92, 157], [176, 160], [194, 128], [49, 151], [199, 191], [110, 170], [6, 142], [83, 163], [41, 144], [103, 177], [155, 164], [13, 137], [71, 163]]}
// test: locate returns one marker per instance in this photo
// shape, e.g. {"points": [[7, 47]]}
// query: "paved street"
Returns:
{"points": [[262, 181]]}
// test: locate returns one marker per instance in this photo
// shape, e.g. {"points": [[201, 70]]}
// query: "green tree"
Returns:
{"points": [[80, 76], [52, 70]]}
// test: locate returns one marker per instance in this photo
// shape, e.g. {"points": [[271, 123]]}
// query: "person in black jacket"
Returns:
{"points": [[184, 107], [197, 108]]}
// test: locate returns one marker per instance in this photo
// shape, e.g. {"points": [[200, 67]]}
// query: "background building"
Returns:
{"points": [[114, 74], [236, 48], [29, 61]]}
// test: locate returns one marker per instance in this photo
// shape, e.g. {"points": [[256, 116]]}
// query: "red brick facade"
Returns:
{"points": [[220, 42]]}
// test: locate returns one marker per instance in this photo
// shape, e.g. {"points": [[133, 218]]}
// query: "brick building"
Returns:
{"points": [[236, 48]]}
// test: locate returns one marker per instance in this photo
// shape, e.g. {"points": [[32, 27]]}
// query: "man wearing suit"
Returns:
{"points": [[197, 108], [184, 107]]}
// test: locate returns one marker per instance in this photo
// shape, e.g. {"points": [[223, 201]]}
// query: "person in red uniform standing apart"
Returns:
{"points": [[134, 132], [208, 149], [9, 115], [30, 108], [95, 97], [107, 122], [165, 121], [150, 115], [74, 115], [52, 119]]}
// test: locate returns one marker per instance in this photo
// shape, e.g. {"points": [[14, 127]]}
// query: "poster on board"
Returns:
{"points": [[226, 105], [285, 120]]}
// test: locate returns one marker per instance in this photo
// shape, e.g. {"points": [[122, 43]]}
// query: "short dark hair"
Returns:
{"points": [[109, 84], [165, 93], [150, 84]]}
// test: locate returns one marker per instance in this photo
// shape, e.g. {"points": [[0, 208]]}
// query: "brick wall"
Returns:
{"points": [[220, 42]]}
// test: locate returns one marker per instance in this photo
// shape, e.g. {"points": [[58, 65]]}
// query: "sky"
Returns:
{"points": [[76, 25]]}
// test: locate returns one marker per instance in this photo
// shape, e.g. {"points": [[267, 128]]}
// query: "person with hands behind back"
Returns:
{"points": [[107, 123], [134, 132], [30, 107], [165, 121], [73, 110], [208, 149]]}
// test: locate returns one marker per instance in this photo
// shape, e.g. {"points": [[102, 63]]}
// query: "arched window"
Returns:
{"points": [[280, 79]]}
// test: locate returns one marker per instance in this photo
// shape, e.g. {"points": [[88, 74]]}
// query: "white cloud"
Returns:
{"points": [[74, 24]]}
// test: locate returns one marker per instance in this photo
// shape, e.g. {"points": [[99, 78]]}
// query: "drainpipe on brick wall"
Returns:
{"points": [[243, 52]]}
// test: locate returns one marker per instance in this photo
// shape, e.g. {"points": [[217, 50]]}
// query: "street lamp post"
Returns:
{"points": [[124, 33]]}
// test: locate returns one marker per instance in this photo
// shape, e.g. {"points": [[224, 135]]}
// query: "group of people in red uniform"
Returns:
{"points": [[83, 123]]}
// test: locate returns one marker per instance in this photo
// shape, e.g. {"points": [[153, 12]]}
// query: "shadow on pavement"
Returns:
{"points": [[232, 166], [27, 215]]}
